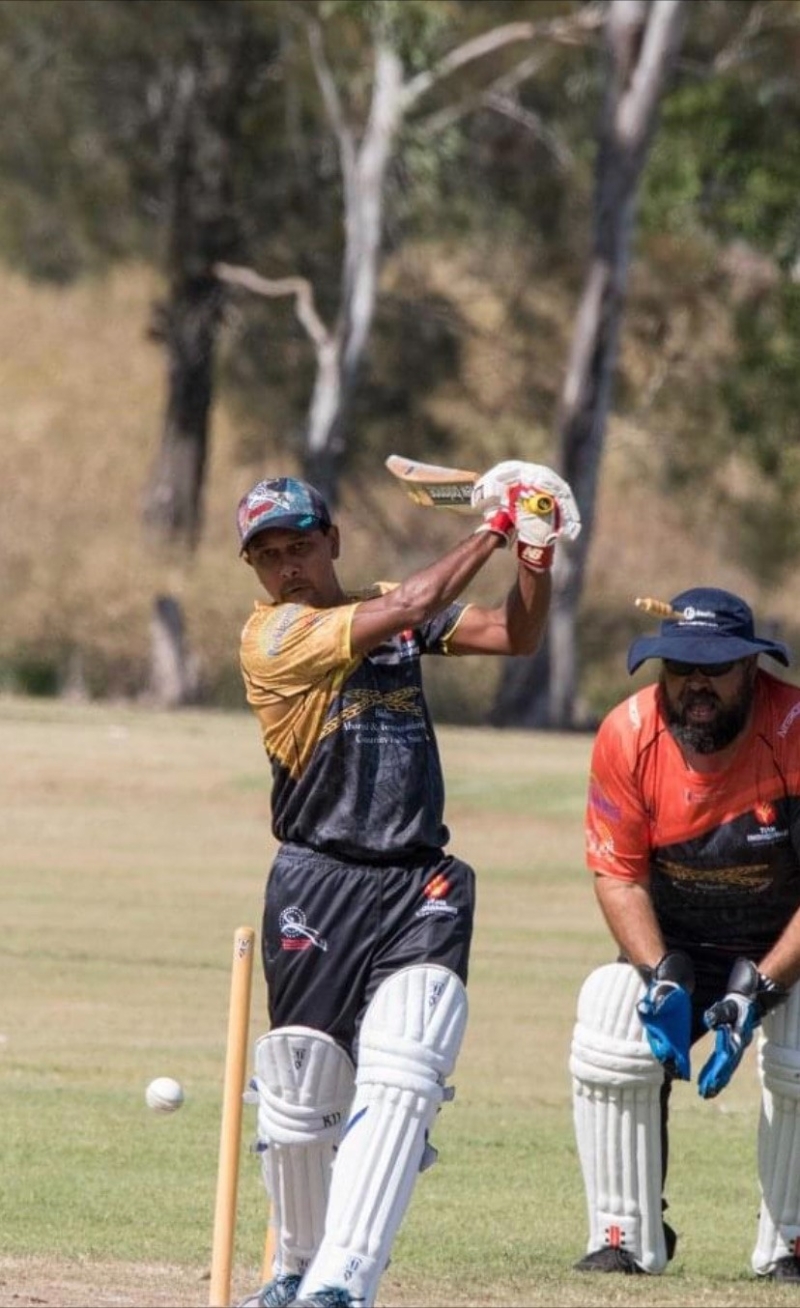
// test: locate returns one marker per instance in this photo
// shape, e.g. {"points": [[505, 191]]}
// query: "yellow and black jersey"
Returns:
{"points": [[355, 765]]}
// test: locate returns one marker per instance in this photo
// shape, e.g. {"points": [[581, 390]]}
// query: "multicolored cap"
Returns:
{"points": [[705, 625], [284, 502]]}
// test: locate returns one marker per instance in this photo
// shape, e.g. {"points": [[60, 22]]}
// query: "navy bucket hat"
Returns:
{"points": [[283, 502], [707, 626]]}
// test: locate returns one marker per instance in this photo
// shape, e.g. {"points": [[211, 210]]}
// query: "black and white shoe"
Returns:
{"points": [[609, 1260], [280, 1292], [332, 1296], [785, 1269]]}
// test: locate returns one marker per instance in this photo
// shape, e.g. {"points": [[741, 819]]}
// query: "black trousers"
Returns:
{"points": [[334, 930], [712, 969]]}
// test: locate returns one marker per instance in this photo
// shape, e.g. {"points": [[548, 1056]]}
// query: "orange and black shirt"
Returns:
{"points": [[721, 851], [355, 764]]}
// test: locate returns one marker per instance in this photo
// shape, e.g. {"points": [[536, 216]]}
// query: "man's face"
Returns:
{"points": [[707, 712], [296, 567]]}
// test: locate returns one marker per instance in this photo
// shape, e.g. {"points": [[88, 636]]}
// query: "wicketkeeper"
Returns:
{"points": [[693, 834], [368, 919]]}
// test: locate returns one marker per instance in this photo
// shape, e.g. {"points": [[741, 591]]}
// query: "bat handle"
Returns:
{"points": [[659, 607]]}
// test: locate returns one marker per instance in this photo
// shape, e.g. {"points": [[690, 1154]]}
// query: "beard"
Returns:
{"points": [[712, 736]]}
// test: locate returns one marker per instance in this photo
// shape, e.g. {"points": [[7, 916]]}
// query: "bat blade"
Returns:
{"points": [[434, 486]]}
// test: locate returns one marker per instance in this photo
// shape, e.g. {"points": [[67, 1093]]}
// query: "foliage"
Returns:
{"points": [[738, 177], [724, 180], [91, 89], [763, 395], [487, 231]]}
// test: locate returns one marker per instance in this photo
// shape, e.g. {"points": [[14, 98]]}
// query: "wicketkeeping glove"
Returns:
{"points": [[540, 504], [666, 1013], [734, 1018]]}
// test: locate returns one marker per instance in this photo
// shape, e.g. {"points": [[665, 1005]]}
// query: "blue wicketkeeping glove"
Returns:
{"points": [[666, 1013], [734, 1018]]}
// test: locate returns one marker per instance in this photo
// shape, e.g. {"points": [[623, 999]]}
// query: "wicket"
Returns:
{"points": [[231, 1129]]}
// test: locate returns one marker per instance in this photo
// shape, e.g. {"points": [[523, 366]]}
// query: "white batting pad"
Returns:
{"points": [[305, 1084], [409, 1042], [779, 1136], [616, 1082]]}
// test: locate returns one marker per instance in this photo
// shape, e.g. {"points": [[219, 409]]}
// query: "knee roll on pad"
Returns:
{"points": [[409, 1041], [305, 1083], [779, 1136], [616, 1083]]}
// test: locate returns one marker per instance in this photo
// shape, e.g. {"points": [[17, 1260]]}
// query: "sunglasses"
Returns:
{"points": [[677, 669]]}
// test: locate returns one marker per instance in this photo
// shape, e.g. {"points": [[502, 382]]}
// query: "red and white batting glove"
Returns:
{"points": [[500, 521], [540, 503], [538, 519]]}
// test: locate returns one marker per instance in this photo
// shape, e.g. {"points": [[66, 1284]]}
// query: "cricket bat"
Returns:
{"points": [[433, 486], [660, 607], [437, 487]]}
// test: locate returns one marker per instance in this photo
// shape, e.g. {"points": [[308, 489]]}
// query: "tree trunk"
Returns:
{"points": [[201, 229], [364, 168], [642, 41], [173, 505], [172, 681]]}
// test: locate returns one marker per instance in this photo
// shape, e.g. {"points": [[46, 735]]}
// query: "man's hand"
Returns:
{"points": [[666, 1013], [734, 1018], [499, 520], [538, 502]]}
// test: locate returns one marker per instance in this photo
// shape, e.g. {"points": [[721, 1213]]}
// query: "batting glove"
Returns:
{"points": [[499, 521], [666, 1013], [540, 503], [735, 1018]]}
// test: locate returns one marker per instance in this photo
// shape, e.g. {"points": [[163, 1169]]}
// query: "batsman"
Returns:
{"points": [[368, 919], [693, 836]]}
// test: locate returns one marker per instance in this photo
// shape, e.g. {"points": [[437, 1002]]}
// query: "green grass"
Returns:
{"points": [[131, 847]]}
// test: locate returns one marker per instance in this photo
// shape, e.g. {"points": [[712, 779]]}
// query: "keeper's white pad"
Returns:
{"points": [[409, 1042], [616, 1081], [779, 1136], [305, 1086]]}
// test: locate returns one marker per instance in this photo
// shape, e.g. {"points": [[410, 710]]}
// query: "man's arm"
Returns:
{"points": [[628, 910], [423, 594], [518, 499], [516, 627], [782, 962]]}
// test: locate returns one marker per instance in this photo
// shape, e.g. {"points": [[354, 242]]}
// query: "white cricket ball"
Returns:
{"points": [[164, 1095]]}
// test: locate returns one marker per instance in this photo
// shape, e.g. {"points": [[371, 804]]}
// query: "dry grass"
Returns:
{"points": [[132, 846]]}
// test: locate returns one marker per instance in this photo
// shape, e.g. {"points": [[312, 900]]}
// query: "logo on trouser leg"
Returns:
{"points": [[435, 894], [294, 932]]}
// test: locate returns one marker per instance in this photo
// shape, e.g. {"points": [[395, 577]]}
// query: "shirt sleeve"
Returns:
{"points": [[286, 647], [617, 824], [435, 635]]}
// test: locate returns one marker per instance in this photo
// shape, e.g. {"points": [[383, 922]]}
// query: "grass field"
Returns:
{"points": [[132, 845]]}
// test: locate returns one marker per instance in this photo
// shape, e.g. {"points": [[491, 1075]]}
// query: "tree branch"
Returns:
{"points": [[737, 49], [299, 287], [330, 97], [565, 30]]}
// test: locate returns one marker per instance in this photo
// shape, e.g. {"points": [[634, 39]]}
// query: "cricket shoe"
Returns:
{"points": [[277, 1293], [619, 1260], [331, 1296], [609, 1260], [785, 1269]]}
